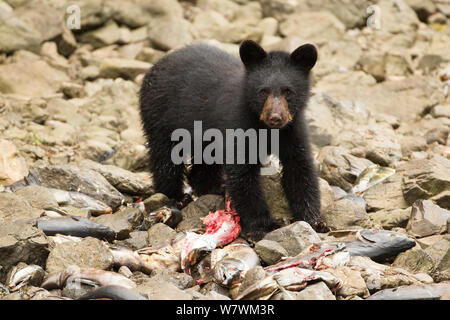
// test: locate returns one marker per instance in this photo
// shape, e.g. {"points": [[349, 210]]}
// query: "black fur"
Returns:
{"points": [[200, 82]]}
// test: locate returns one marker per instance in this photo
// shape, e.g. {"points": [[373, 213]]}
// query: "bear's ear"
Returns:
{"points": [[305, 56], [251, 53]]}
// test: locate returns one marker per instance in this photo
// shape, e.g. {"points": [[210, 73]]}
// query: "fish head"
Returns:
{"points": [[228, 271]]}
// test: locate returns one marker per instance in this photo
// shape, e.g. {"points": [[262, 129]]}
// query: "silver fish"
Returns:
{"points": [[129, 258], [80, 200], [295, 279], [112, 293], [416, 292], [101, 277], [22, 276], [371, 176], [232, 262]]}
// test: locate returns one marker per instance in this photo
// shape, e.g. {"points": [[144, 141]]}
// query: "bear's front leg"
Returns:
{"points": [[243, 185], [301, 185]]}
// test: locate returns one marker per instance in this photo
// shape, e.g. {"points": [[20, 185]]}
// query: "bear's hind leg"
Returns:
{"points": [[206, 179], [167, 176]]}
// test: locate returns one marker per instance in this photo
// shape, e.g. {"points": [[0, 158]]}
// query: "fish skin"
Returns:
{"points": [[103, 278], [415, 292], [75, 226], [233, 262], [113, 293]]}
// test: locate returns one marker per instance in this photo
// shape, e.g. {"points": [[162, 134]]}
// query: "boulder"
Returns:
{"points": [[427, 219], [13, 167], [70, 178], [88, 253]]}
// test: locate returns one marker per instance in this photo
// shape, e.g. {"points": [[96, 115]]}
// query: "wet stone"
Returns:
{"points": [[122, 222], [88, 253], [270, 251], [427, 219], [82, 180], [160, 233], [155, 202], [21, 242], [294, 237]]}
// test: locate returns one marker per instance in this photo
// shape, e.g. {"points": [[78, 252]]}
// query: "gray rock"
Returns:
{"points": [[88, 253], [104, 36], [157, 290], [378, 142], [199, 209], [122, 222], [270, 251], [427, 219], [38, 197], [181, 280], [386, 195], [170, 33], [347, 212], [21, 242], [415, 260], [33, 78], [123, 180], [159, 234], [339, 168], [15, 34], [212, 286], [137, 240], [150, 55], [138, 13], [13, 167], [425, 178], [439, 135], [440, 253], [278, 8], [275, 197], [122, 68], [44, 17], [14, 207], [82, 180], [294, 237], [156, 201], [389, 219]]}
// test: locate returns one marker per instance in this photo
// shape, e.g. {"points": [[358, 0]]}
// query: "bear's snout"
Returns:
{"points": [[275, 113]]}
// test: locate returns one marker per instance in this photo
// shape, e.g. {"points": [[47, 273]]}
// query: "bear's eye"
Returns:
{"points": [[264, 91], [286, 91]]}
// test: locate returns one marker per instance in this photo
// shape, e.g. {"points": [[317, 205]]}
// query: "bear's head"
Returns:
{"points": [[277, 83]]}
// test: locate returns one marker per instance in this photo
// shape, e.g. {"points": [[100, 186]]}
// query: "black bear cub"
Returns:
{"points": [[263, 90]]}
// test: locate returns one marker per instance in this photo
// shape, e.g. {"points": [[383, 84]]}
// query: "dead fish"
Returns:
{"points": [[261, 290], [80, 200], [166, 257], [295, 279], [379, 244], [112, 293], [232, 262], [310, 258], [371, 176], [127, 257], [60, 238], [21, 276], [221, 228], [101, 277], [416, 292], [75, 226]]}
